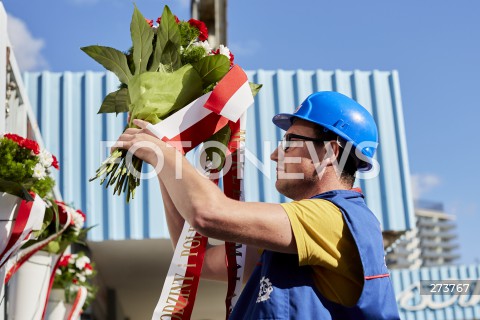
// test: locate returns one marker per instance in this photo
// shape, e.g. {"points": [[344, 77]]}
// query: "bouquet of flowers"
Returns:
{"points": [[56, 216], [25, 167], [168, 66], [75, 271]]}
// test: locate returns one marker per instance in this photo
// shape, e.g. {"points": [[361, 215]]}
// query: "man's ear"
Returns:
{"points": [[332, 149]]}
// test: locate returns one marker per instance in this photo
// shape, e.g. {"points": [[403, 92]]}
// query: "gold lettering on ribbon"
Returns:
{"points": [[177, 297]]}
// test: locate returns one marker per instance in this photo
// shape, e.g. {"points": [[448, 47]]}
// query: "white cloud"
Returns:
{"points": [[26, 48], [247, 48], [424, 183]]}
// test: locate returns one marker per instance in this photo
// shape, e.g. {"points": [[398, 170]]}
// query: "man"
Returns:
{"points": [[322, 254]]}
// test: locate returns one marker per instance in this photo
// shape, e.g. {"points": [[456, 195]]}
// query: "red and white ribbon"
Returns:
{"points": [[23, 255], [78, 303], [205, 116], [195, 123], [27, 218]]}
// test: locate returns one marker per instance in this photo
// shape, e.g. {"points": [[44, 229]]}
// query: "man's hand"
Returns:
{"points": [[142, 143]]}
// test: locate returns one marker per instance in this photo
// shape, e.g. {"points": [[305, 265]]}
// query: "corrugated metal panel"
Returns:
{"points": [[413, 306], [66, 105]]}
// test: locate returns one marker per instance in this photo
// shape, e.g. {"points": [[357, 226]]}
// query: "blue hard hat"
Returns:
{"points": [[341, 115]]}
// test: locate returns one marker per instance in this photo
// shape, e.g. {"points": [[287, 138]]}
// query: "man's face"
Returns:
{"points": [[296, 167]]}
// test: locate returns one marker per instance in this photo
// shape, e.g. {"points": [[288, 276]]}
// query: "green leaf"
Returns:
{"points": [[255, 88], [170, 57], [142, 36], [223, 137], [116, 101], [155, 95], [212, 68], [111, 59], [168, 39]]}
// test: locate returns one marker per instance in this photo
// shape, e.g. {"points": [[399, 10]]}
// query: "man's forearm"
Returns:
{"points": [[175, 221]]}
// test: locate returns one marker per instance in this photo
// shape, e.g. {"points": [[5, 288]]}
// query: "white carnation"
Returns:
{"points": [[88, 272], [80, 263], [81, 277], [78, 220], [58, 272], [39, 171], [225, 51], [46, 158], [204, 44]]}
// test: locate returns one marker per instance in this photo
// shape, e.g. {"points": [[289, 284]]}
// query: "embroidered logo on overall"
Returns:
{"points": [[265, 290]]}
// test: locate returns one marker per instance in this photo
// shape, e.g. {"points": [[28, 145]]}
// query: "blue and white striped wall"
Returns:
{"points": [[66, 106], [414, 306]]}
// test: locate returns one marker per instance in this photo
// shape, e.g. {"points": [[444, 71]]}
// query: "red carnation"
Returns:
{"points": [[62, 213], [14, 137], [200, 25], [24, 143], [55, 163], [159, 19], [88, 266], [64, 260], [150, 22], [84, 216], [75, 281], [32, 145]]}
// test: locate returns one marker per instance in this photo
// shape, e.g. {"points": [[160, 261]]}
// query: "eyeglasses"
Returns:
{"points": [[287, 138]]}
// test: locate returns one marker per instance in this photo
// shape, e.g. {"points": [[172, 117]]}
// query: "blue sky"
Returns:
{"points": [[434, 45]]}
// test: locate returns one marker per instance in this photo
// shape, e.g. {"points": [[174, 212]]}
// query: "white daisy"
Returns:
{"points": [[39, 171]]}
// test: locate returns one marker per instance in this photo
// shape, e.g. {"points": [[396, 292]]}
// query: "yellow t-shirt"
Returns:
{"points": [[325, 243]]}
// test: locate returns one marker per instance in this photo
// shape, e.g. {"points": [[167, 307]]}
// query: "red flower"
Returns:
{"points": [[62, 213], [24, 143], [88, 266], [75, 281], [55, 163], [150, 22], [84, 216], [64, 260], [200, 25], [159, 19], [14, 137]]}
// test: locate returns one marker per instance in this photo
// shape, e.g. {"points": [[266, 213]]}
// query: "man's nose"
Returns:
{"points": [[274, 155]]}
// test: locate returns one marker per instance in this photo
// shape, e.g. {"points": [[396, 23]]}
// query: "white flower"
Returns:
{"points": [[46, 158], [72, 258], [80, 263], [204, 44], [58, 272], [88, 272], [39, 171], [225, 51], [78, 220], [81, 277]]}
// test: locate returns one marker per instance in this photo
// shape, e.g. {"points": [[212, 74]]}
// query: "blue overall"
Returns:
{"points": [[280, 289]]}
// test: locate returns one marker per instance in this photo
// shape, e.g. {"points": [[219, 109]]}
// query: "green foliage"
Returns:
{"points": [[255, 88], [112, 60], [116, 101], [16, 171], [193, 54], [167, 50], [76, 270], [212, 68], [142, 35], [215, 154], [188, 33]]}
